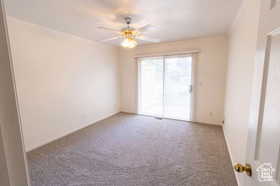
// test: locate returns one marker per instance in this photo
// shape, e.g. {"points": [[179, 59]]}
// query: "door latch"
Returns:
{"points": [[243, 168]]}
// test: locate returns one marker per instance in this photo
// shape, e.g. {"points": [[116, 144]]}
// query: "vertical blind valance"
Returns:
{"points": [[189, 52]]}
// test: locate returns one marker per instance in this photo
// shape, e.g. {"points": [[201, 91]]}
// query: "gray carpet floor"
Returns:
{"points": [[133, 150]]}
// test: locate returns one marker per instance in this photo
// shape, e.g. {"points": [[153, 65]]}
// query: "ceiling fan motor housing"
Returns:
{"points": [[129, 32]]}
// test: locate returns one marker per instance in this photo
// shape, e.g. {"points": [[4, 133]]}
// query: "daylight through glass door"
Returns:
{"points": [[165, 87]]}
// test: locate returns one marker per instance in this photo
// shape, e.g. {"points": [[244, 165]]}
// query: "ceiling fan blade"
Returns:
{"points": [[110, 39], [145, 38], [144, 28], [109, 29]]}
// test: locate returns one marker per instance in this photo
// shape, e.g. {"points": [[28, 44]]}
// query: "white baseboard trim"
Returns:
{"points": [[128, 112], [194, 121], [208, 123], [74, 130], [231, 159]]}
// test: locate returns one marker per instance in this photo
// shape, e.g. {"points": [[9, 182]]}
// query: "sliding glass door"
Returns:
{"points": [[151, 86], [165, 86], [178, 82]]}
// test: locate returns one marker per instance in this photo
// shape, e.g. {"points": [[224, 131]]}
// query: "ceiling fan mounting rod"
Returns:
{"points": [[127, 20]]}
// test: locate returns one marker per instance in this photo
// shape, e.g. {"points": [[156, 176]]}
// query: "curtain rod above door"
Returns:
{"points": [[188, 52]]}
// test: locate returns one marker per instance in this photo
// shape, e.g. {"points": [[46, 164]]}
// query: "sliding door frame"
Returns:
{"points": [[193, 83]]}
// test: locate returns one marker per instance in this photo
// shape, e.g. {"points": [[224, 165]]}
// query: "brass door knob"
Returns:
{"points": [[241, 168]]}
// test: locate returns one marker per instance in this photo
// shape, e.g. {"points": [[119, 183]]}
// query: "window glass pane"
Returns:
{"points": [[151, 86], [178, 79]]}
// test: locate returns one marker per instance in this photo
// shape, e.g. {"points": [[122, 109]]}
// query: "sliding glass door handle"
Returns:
{"points": [[190, 88]]}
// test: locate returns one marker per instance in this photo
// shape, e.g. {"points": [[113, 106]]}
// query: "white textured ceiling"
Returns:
{"points": [[173, 19]]}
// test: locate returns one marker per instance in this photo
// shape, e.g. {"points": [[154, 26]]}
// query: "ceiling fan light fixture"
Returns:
{"points": [[130, 35], [129, 43]]}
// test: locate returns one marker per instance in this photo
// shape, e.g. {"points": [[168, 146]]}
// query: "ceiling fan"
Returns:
{"points": [[129, 34]]}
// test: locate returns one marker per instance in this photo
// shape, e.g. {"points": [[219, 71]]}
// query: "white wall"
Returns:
{"points": [[64, 82], [242, 46], [211, 72]]}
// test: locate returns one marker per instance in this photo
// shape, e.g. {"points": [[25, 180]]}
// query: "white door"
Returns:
{"points": [[264, 132], [165, 87]]}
